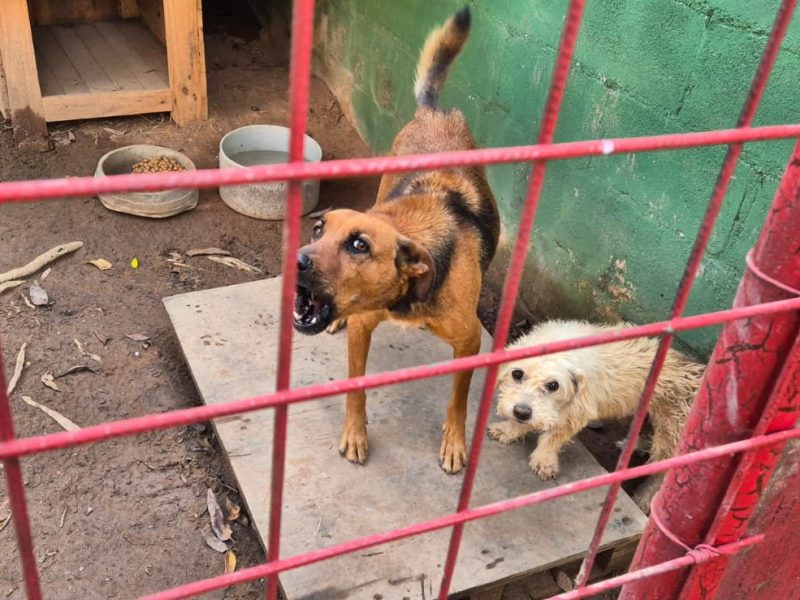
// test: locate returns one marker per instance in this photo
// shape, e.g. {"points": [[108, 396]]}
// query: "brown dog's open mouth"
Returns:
{"points": [[312, 312]]}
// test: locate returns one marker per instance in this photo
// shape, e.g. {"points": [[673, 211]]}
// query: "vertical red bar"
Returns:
{"points": [[299, 83], [749, 109], [16, 495], [737, 383], [511, 288]]}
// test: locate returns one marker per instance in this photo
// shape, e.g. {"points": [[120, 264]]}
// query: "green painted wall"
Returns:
{"points": [[613, 233]]}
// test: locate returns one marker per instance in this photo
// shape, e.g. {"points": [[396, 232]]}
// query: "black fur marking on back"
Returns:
{"points": [[484, 221], [407, 184], [442, 256]]}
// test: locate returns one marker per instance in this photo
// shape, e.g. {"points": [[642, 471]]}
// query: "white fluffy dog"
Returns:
{"points": [[557, 395]]}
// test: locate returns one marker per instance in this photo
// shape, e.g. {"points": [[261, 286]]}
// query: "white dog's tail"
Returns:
{"points": [[438, 53]]}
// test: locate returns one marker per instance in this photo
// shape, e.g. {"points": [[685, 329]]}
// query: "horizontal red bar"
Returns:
{"points": [[13, 191], [471, 514], [66, 439]]}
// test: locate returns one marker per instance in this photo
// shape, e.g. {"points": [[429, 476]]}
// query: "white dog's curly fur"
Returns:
{"points": [[557, 395]]}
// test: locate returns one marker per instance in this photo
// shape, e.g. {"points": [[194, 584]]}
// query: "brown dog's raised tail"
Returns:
{"points": [[440, 50]]}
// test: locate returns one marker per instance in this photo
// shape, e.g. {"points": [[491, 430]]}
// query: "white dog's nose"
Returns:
{"points": [[522, 412]]}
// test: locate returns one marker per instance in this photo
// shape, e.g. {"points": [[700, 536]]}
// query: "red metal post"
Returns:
{"points": [[16, 495], [737, 384]]}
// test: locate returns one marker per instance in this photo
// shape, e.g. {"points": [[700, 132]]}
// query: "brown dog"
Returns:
{"points": [[417, 257]]}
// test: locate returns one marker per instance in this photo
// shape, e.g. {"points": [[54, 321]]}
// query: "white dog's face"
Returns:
{"points": [[537, 391]]}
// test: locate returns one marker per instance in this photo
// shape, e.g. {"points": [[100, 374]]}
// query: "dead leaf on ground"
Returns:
{"points": [[19, 365], [38, 295], [221, 529], [207, 251], [83, 352], [103, 339], [75, 369], [230, 561], [230, 261], [46, 272], [49, 381], [213, 541], [138, 337], [232, 510], [100, 263], [65, 423]]}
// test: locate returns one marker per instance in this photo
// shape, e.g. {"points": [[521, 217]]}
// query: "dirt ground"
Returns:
{"points": [[123, 518]]}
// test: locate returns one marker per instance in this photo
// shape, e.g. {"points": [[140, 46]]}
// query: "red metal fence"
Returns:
{"points": [[721, 468]]}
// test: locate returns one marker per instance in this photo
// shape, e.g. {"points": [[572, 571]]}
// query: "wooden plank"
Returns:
{"points": [[127, 9], [109, 57], [140, 51], [22, 79], [58, 62], [228, 336], [4, 106], [90, 70], [59, 12], [48, 80], [186, 60], [108, 104], [152, 14]]}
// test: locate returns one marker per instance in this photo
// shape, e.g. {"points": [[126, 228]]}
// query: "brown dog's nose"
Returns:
{"points": [[303, 262], [522, 412]]}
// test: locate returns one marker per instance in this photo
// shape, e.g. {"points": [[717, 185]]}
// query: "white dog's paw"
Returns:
{"points": [[506, 432], [544, 464]]}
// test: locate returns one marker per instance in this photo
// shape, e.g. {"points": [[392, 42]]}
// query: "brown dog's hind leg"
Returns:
{"points": [[465, 341], [353, 443]]}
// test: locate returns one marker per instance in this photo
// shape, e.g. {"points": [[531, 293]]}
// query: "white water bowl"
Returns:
{"points": [[164, 203], [259, 145]]}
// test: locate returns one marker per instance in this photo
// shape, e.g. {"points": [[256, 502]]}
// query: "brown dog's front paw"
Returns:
{"points": [[544, 465], [353, 444], [453, 453], [336, 325]]}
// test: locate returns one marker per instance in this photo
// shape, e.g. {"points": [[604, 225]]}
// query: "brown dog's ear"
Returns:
{"points": [[416, 263]]}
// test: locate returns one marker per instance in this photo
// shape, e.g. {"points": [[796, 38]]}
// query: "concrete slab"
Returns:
{"points": [[229, 338]]}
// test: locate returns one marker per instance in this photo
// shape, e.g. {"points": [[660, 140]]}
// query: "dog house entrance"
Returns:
{"points": [[229, 337]]}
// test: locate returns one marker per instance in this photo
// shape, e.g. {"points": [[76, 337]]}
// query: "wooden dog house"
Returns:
{"points": [[85, 59]]}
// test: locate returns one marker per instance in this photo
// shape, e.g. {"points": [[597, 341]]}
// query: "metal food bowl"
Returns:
{"points": [[264, 144], [159, 204]]}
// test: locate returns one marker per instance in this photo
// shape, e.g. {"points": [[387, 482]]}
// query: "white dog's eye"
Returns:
{"points": [[552, 386], [517, 374]]}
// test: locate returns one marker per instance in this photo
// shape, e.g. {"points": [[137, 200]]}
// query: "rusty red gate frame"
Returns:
{"points": [[737, 461]]}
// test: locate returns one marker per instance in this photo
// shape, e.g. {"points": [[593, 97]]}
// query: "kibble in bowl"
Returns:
{"points": [[146, 159]]}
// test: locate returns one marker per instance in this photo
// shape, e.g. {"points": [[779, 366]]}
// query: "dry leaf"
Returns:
{"points": [[66, 423], [138, 337], [213, 541], [49, 381], [229, 261], [75, 369], [230, 561], [100, 337], [232, 510], [94, 357], [564, 582], [17, 369], [221, 529], [100, 263], [38, 295], [207, 252], [46, 272]]}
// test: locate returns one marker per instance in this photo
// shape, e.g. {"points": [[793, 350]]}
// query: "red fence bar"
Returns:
{"points": [[470, 514], [16, 191], [16, 496], [741, 371], [750, 480], [552, 109], [746, 117], [299, 82], [187, 416]]}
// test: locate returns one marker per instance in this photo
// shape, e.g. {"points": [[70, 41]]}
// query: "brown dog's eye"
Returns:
{"points": [[358, 246], [317, 231], [517, 375], [552, 386]]}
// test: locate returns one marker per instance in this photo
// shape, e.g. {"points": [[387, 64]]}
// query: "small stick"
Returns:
{"points": [[10, 284], [17, 369], [40, 261]]}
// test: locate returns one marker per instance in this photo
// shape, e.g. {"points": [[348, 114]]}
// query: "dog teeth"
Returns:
{"points": [[297, 315]]}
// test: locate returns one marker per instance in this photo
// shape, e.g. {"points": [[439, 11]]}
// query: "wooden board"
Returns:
{"points": [[183, 21], [59, 12], [229, 336], [4, 105], [114, 104]]}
